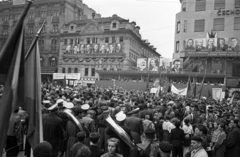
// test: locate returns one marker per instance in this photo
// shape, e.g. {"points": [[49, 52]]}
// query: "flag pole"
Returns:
{"points": [[34, 42]]}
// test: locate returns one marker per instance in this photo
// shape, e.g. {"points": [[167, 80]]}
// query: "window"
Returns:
{"points": [[69, 70], [113, 40], [121, 39], [65, 41], [112, 69], [6, 18], [106, 39], [185, 26], [178, 27], [200, 5], [30, 29], [237, 23], [237, 3], [55, 13], [184, 6], [55, 28], [105, 69], [54, 42], [15, 17], [218, 24], [88, 40], [93, 40], [199, 25], [93, 71], [177, 46], [75, 70], [63, 70], [44, 29], [219, 4], [5, 31], [53, 62], [41, 61], [86, 72], [41, 42], [71, 41], [31, 15], [43, 14], [71, 28], [114, 25]]}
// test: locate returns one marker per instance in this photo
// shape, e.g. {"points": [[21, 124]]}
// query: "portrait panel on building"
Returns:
{"points": [[142, 64], [164, 64], [153, 64], [233, 44], [200, 44], [177, 65], [189, 45], [194, 65], [222, 44]]}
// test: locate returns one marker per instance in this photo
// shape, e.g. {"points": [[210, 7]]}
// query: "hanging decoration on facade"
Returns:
{"points": [[73, 59], [80, 59], [112, 59], [66, 59], [88, 59], [104, 59], [120, 60]]}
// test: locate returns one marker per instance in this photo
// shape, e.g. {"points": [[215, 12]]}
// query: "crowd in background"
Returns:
{"points": [[165, 125]]}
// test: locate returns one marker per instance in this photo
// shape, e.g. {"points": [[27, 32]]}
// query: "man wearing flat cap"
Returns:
{"points": [[198, 150], [52, 129]]}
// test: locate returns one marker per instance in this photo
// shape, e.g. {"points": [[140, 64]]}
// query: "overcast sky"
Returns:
{"points": [[155, 17]]}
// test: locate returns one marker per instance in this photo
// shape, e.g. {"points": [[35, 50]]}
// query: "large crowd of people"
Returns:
{"points": [[158, 126]]}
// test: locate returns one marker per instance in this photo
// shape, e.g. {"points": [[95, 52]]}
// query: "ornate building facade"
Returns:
{"points": [[207, 39], [55, 13], [103, 44]]}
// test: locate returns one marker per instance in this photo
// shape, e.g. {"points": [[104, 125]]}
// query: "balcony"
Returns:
{"points": [[210, 54], [30, 21], [5, 23], [55, 19], [95, 55]]}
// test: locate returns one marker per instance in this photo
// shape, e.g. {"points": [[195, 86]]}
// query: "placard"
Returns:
{"points": [[58, 76], [153, 90], [18, 2], [70, 76]]}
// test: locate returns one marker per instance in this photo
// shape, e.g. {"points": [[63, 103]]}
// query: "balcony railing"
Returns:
{"points": [[55, 19], [94, 55]]}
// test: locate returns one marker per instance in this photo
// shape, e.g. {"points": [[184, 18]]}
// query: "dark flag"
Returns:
{"points": [[189, 86], [12, 75], [209, 94], [200, 92], [33, 96], [194, 87]]}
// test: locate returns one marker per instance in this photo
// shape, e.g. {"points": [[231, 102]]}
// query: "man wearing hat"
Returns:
{"points": [[120, 119], [94, 148], [136, 126], [198, 150], [52, 129]]}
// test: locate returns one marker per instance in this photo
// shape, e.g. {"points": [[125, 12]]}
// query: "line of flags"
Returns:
{"points": [[20, 73]]}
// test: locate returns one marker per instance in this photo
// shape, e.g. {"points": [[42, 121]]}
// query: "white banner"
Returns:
{"points": [[58, 76], [70, 76], [153, 90], [18, 2], [216, 93], [182, 92]]}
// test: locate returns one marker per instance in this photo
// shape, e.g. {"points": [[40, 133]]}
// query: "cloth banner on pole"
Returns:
{"points": [[153, 90], [216, 93], [182, 92]]}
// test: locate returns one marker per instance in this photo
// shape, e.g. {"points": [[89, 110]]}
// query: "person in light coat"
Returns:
{"points": [[197, 149]]}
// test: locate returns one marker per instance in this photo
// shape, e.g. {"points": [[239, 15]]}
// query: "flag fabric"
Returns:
{"points": [[33, 96], [194, 87], [182, 92], [231, 101], [64, 82], [189, 87], [12, 75], [209, 94], [200, 92]]}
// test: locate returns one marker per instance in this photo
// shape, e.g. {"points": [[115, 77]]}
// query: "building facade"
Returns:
{"points": [[54, 14], [108, 44], [207, 38]]}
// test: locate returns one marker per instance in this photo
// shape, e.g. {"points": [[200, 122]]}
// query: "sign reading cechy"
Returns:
{"points": [[211, 53], [228, 12]]}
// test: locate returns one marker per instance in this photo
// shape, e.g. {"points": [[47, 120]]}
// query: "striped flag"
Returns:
{"points": [[189, 87], [194, 87]]}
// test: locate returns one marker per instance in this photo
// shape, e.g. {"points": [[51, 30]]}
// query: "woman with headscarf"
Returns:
{"points": [[43, 149]]}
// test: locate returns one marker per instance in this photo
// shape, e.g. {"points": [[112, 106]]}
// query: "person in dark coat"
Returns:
{"points": [[233, 140], [125, 150], [80, 137], [94, 148], [43, 149], [52, 129], [136, 126], [72, 130], [177, 140], [102, 127]]}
